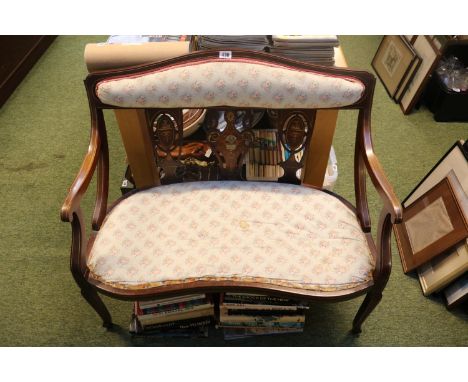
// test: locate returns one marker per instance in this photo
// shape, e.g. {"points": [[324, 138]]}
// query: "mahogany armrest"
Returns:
{"points": [[391, 203], [82, 180]]}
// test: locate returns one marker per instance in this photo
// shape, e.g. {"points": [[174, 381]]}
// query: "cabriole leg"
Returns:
{"points": [[93, 299], [370, 302]]}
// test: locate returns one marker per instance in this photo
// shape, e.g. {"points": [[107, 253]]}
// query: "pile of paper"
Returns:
{"points": [[226, 42], [318, 49]]}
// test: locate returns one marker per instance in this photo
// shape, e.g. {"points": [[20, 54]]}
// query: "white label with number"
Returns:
{"points": [[226, 54]]}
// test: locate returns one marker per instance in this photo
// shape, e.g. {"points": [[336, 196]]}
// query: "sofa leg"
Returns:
{"points": [[93, 299], [370, 302]]}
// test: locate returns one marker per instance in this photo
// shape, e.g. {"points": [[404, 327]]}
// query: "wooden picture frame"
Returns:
{"points": [[457, 293], [430, 55], [433, 224], [436, 274], [393, 59]]}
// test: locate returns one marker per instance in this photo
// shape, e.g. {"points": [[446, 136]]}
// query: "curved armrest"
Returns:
{"points": [[391, 203], [366, 151], [82, 180]]}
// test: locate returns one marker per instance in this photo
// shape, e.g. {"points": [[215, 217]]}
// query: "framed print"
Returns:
{"points": [[456, 160], [457, 293], [410, 38], [392, 61], [429, 54], [441, 271], [431, 225], [407, 79]]}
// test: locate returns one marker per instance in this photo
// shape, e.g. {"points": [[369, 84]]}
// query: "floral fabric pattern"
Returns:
{"points": [[232, 230], [235, 83]]}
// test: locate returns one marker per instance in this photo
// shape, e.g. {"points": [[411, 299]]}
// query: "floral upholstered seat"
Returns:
{"points": [[272, 233]]}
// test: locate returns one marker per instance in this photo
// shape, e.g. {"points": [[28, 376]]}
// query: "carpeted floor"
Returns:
{"points": [[44, 130]]}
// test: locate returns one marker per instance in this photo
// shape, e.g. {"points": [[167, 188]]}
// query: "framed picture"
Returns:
{"points": [[429, 54], [392, 61], [431, 225], [457, 293], [410, 38], [407, 79], [442, 270], [456, 160]]}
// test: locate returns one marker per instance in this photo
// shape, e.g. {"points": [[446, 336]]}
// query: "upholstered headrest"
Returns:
{"points": [[237, 82]]}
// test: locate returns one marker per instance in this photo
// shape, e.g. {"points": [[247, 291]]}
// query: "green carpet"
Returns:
{"points": [[44, 131]]}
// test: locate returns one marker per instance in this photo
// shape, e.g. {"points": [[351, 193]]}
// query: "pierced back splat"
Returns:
{"points": [[230, 145], [294, 132], [167, 135]]}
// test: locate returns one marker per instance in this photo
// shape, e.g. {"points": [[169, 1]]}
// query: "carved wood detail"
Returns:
{"points": [[230, 145], [167, 134], [294, 132]]}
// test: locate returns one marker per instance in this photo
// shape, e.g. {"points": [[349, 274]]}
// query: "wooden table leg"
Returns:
{"points": [[137, 142], [319, 147], [322, 137]]}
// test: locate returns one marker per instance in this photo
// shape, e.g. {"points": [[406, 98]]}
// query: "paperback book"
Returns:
{"points": [[244, 315]]}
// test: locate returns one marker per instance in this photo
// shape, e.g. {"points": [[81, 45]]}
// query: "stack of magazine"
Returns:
{"points": [[227, 42], [317, 49], [138, 39], [186, 316], [244, 315]]}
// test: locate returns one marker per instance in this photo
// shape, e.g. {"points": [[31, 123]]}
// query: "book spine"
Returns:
{"points": [[261, 312], [263, 156], [264, 300], [257, 331], [233, 333], [261, 319], [184, 324], [169, 301], [151, 319], [174, 307], [297, 325], [232, 305], [175, 311]]}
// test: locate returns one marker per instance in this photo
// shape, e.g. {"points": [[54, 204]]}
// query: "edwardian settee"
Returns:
{"points": [[279, 238]]}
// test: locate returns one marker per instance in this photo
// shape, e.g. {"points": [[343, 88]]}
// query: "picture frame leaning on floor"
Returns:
{"points": [[392, 62]]}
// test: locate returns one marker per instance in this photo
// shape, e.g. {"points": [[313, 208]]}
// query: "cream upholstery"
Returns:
{"points": [[236, 82], [231, 230]]}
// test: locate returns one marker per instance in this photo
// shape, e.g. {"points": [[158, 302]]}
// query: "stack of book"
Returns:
{"points": [[227, 42], [244, 315], [263, 157], [186, 316], [309, 48]]}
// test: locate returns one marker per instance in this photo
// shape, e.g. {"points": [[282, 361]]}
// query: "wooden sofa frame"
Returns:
{"points": [[365, 162]]}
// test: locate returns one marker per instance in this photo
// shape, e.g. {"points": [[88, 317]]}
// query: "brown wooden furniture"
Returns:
{"points": [[18, 56], [148, 87]]}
